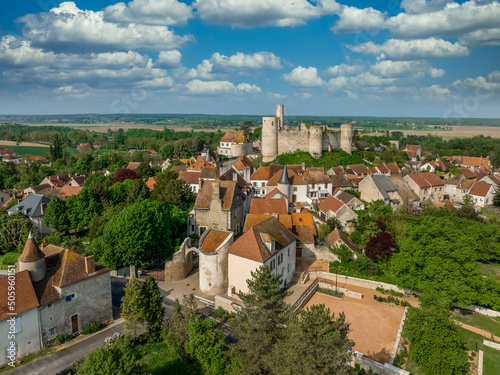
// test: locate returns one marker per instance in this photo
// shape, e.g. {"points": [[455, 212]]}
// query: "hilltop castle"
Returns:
{"points": [[279, 139]]}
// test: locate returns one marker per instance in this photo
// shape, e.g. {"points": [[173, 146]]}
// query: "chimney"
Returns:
{"points": [[43, 207], [215, 190], [89, 265]]}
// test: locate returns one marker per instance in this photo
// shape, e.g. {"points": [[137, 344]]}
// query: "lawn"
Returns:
{"points": [[491, 359], [476, 320], [163, 358]]}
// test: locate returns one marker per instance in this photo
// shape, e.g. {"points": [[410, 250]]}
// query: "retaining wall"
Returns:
{"points": [[378, 368]]}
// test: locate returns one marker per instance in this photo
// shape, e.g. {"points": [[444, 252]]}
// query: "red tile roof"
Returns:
{"points": [[359, 169], [31, 251], [480, 189], [67, 191], [268, 206], [242, 162], [25, 295], [36, 158], [191, 177], [467, 172], [213, 240], [426, 179], [234, 136], [330, 203]]}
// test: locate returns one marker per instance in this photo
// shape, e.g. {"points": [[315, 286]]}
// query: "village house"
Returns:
{"points": [[388, 169], [333, 207], [268, 243], [4, 197], [349, 199], [433, 166], [414, 152], [34, 208], [427, 185], [60, 292], [235, 143], [451, 184], [463, 189], [341, 182], [358, 170], [379, 187], [36, 159], [473, 163], [244, 166], [218, 205], [37, 189], [337, 238], [482, 193], [493, 179], [12, 158], [467, 173]]}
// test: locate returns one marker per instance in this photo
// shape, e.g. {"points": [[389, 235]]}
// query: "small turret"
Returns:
{"points": [[284, 183], [33, 260], [207, 155]]}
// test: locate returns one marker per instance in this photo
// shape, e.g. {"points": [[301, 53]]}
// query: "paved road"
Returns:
{"points": [[60, 360]]}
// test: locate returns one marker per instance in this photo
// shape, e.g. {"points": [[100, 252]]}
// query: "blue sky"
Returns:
{"points": [[434, 58]]}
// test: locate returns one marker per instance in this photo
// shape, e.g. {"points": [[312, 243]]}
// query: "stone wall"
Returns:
{"points": [[213, 268], [217, 218], [27, 341], [377, 368], [181, 264], [291, 140], [311, 251], [91, 303], [226, 304]]}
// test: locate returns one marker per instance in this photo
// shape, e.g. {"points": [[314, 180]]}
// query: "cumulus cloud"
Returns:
{"points": [[168, 59], [490, 83], [157, 82], [452, 21], [423, 6], [337, 83], [436, 92], [353, 20], [68, 28], [346, 69], [481, 38], [388, 68], [255, 61], [304, 77], [219, 87], [251, 13], [416, 49], [152, 12]]}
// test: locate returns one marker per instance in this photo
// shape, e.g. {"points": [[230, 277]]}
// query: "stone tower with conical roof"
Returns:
{"points": [[33, 260], [284, 183]]}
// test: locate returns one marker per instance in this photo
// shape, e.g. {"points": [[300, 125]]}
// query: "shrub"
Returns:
{"points": [[62, 338], [396, 294], [331, 292], [8, 259], [93, 327], [404, 303]]}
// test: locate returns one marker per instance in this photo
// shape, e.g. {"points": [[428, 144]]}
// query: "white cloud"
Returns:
{"points": [[304, 77], [68, 28], [452, 21], [337, 83], [251, 13], [370, 79], [80, 91], [346, 69], [436, 92], [306, 95], [388, 68], [351, 95], [255, 61], [481, 38], [490, 83], [417, 49], [219, 87], [423, 6], [169, 59], [353, 20], [152, 12], [157, 82]]}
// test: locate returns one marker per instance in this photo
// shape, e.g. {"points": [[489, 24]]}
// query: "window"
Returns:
{"points": [[294, 189], [263, 184], [52, 331], [312, 186], [254, 184], [69, 297], [326, 186], [288, 251], [288, 267]]}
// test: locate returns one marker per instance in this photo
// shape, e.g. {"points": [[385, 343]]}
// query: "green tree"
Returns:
{"points": [[120, 357], [323, 230], [56, 149], [436, 343], [154, 312], [136, 190], [261, 322], [206, 345], [56, 215], [184, 315], [14, 230], [133, 307], [145, 170], [167, 151], [467, 211], [141, 234], [319, 340], [496, 198], [169, 189], [82, 209]]}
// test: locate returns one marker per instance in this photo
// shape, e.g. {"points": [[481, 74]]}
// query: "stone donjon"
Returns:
{"points": [[279, 139]]}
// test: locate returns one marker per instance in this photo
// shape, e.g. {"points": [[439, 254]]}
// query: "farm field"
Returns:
{"points": [[103, 128]]}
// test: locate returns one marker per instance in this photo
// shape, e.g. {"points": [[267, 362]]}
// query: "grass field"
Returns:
{"points": [[29, 150], [491, 359], [476, 320]]}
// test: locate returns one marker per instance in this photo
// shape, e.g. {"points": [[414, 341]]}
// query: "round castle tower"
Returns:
{"points": [[33, 260], [269, 138], [346, 138], [316, 141]]}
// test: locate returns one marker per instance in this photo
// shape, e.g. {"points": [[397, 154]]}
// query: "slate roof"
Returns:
{"points": [[384, 185], [31, 205], [251, 246], [330, 203], [213, 240], [25, 295], [269, 206]]}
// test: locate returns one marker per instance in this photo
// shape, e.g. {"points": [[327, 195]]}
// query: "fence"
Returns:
{"points": [[306, 296]]}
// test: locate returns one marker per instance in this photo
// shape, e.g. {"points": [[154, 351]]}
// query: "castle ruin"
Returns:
{"points": [[279, 139]]}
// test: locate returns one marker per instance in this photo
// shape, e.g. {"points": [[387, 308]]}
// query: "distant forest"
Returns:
{"points": [[234, 120]]}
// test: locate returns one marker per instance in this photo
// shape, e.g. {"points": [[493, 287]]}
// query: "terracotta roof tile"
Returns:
{"points": [[316, 176], [261, 174], [26, 298], [228, 193], [251, 246], [304, 219], [31, 251], [304, 233], [234, 136], [480, 189], [213, 240], [67, 191], [359, 169], [330, 203], [413, 147], [467, 172], [426, 179], [268, 206], [242, 162], [133, 165], [190, 177]]}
